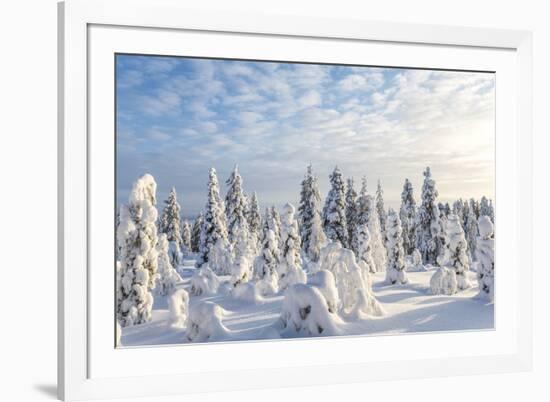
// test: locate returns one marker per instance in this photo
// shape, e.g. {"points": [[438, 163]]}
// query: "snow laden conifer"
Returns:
{"points": [[470, 230], [170, 222], [395, 273], [311, 232], [428, 235], [255, 220], [485, 252], [214, 247], [137, 237], [486, 208], [367, 215], [235, 206], [266, 264], [455, 256], [196, 233], [380, 209], [290, 268], [167, 277], [364, 249], [407, 214], [274, 223], [185, 237], [334, 211], [351, 214]]}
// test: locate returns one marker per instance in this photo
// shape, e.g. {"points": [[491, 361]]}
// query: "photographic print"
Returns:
{"points": [[265, 200]]}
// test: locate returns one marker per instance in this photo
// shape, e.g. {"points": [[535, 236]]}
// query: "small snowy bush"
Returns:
{"points": [[443, 282], [167, 277], [324, 281], [485, 253], [178, 305], [290, 267], [204, 281], [305, 313], [205, 323], [395, 272], [352, 281]]}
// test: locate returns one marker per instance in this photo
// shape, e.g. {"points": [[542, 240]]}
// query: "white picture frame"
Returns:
{"points": [[89, 366]]}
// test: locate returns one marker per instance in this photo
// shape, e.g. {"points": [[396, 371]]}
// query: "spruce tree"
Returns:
{"points": [[380, 209], [364, 249], [167, 277], [428, 239], [235, 206], [137, 237], [275, 223], [213, 242], [196, 233], [254, 219], [334, 212], [470, 230], [395, 272], [455, 256], [290, 268], [185, 237], [485, 253], [170, 222], [407, 214], [266, 264], [367, 215], [351, 214], [486, 208], [308, 211]]}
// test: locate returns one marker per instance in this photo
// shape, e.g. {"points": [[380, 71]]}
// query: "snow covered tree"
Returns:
{"points": [[456, 256], [235, 206], [290, 267], [214, 246], [167, 277], [185, 236], [470, 230], [474, 206], [196, 233], [428, 234], [334, 212], [486, 208], [170, 222], [367, 215], [458, 210], [364, 249], [407, 214], [380, 209], [254, 219], [395, 272], [308, 212], [485, 252], [265, 265], [275, 223], [351, 213], [137, 237]]}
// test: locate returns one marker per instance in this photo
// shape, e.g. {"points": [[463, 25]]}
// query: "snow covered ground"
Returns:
{"points": [[409, 308]]}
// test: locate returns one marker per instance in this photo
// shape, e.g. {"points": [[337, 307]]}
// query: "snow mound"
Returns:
{"points": [[205, 323], [352, 281], [444, 282], [204, 281], [240, 271], [324, 281], [247, 292], [305, 313], [178, 305]]}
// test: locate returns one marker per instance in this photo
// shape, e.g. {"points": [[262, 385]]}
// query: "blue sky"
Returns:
{"points": [[177, 117]]}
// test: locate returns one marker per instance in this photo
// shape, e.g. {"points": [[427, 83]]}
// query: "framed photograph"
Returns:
{"points": [[289, 200]]}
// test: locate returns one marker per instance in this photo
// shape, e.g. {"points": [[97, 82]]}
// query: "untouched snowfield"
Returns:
{"points": [[409, 308]]}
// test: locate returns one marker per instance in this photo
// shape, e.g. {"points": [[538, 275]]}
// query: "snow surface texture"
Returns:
{"points": [[485, 252], [178, 305]]}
